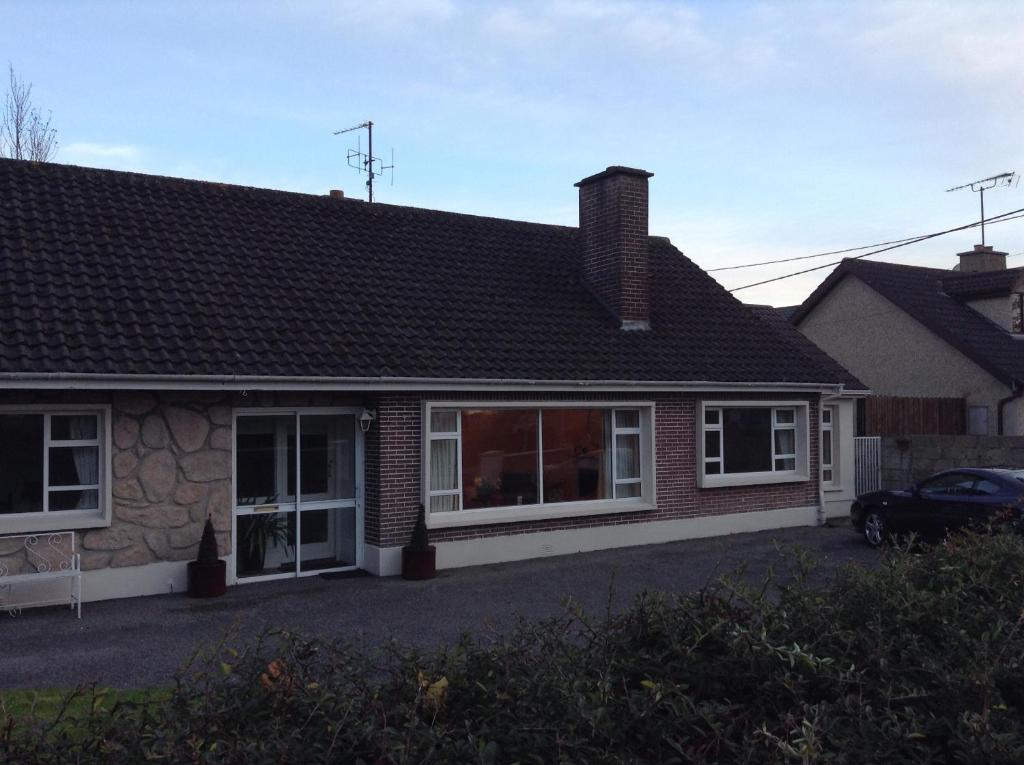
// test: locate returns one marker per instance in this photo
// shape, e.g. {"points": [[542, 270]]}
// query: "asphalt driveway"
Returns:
{"points": [[142, 641]]}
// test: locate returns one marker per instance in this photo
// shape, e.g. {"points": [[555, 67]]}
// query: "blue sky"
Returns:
{"points": [[773, 129]]}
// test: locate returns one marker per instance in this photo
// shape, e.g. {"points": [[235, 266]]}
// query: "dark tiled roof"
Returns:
{"points": [[981, 283], [922, 294], [107, 272], [787, 311], [778, 319]]}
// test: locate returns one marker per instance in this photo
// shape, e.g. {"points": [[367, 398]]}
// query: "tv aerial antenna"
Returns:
{"points": [[980, 187], [365, 162]]}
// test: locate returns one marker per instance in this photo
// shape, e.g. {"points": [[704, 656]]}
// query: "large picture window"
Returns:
{"points": [[746, 443], [540, 458], [51, 469]]}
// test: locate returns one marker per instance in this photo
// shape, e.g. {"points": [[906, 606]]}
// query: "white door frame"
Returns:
{"points": [[358, 502]]}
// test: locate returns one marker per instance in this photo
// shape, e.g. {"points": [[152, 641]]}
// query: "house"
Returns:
{"points": [[308, 370], [908, 331], [838, 417]]}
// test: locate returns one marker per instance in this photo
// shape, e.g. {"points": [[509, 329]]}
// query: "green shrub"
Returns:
{"points": [[918, 661], [207, 554], [420, 539]]}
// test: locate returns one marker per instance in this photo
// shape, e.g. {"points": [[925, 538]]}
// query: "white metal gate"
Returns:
{"points": [[867, 463]]}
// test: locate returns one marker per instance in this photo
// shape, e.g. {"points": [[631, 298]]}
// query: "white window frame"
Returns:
{"points": [[800, 426], [539, 511], [828, 425], [445, 435], [66, 520], [298, 505], [616, 432]]}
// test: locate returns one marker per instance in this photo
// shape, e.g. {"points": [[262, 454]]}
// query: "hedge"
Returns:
{"points": [[917, 661]]}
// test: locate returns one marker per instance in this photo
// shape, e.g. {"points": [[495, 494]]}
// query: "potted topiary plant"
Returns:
{"points": [[419, 557], [206, 574]]}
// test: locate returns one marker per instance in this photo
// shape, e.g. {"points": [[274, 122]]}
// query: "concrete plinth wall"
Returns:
{"points": [[908, 459]]}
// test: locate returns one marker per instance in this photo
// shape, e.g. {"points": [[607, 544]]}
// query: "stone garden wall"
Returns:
{"points": [[908, 459]]}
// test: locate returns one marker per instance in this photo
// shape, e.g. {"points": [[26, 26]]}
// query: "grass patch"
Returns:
{"points": [[45, 704]]}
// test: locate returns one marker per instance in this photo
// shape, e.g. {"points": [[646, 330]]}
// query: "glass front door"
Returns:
{"points": [[296, 505]]}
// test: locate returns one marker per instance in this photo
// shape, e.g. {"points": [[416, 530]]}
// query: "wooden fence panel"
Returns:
{"points": [[906, 416]]}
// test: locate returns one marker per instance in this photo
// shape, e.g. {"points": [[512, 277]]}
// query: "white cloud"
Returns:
{"points": [[681, 38], [974, 41]]}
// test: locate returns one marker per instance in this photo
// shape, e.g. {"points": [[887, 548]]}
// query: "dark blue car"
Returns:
{"points": [[947, 501]]}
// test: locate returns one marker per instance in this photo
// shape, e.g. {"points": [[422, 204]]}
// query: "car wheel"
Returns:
{"points": [[875, 529]]}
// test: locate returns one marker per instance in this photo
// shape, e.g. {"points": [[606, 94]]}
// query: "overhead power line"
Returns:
{"points": [[1011, 215], [815, 255]]}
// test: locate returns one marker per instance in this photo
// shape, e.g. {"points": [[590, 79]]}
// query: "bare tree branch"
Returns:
{"points": [[24, 132]]}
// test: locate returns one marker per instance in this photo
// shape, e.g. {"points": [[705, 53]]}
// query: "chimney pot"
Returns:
{"points": [[337, 194], [982, 258], [613, 238]]}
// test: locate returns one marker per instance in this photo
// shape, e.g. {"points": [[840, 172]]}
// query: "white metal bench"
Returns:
{"points": [[29, 560]]}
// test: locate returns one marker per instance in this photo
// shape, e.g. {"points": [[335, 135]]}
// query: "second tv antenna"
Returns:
{"points": [[1003, 179], [365, 162]]}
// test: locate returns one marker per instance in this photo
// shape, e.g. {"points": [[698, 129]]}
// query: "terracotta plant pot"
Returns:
{"points": [[419, 564], [207, 580]]}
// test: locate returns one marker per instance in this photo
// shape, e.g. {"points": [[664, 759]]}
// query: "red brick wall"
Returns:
{"points": [[393, 468], [613, 227]]}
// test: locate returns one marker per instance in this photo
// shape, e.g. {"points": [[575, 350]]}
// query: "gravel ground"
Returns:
{"points": [[142, 641]]}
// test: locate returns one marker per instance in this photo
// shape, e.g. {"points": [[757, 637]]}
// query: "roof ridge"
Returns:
{"points": [[889, 264], [263, 190], [987, 274]]}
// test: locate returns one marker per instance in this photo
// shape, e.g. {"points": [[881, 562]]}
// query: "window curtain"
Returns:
{"points": [[86, 458], [443, 473]]}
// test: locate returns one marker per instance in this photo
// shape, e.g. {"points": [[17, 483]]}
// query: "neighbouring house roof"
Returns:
{"points": [[934, 297], [778, 319], [981, 284], [113, 273]]}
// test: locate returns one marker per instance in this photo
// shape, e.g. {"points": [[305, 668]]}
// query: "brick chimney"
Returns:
{"points": [[613, 233], [982, 258]]}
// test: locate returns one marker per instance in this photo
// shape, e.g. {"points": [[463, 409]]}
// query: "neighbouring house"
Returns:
{"points": [[927, 333], [838, 417], [308, 370]]}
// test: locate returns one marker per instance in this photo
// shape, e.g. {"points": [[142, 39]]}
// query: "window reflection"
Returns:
{"points": [[576, 458], [499, 457]]}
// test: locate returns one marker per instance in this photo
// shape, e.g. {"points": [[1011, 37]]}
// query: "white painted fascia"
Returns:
{"points": [[848, 394], [65, 381]]}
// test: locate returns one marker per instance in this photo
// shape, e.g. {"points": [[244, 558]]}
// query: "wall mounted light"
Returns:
{"points": [[366, 419]]}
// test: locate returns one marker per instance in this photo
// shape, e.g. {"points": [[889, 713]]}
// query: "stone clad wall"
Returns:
{"points": [[170, 458], [171, 465]]}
